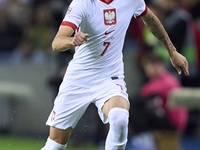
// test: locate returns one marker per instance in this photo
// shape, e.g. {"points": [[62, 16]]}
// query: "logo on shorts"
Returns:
{"points": [[53, 115], [69, 11], [122, 90], [110, 16]]}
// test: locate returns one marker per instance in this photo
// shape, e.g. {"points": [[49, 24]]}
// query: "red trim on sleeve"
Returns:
{"points": [[66, 23], [144, 13]]}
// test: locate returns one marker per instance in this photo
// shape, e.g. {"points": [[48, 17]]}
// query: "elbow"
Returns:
{"points": [[54, 46]]}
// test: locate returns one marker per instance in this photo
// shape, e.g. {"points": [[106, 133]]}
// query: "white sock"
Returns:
{"points": [[118, 132], [52, 145]]}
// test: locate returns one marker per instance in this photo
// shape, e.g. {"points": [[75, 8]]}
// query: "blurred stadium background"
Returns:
{"points": [[30, 73]]}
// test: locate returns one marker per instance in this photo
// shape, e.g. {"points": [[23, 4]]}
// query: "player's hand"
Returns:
{"points": [[79, 38], [179, 61]]}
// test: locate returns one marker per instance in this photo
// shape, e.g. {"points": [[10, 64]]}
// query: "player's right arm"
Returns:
{"points": [[64, 41]]}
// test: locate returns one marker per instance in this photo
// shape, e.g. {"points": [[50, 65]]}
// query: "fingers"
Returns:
{"points": [[180, 62], [79, 38], [178, 69], [84, 36], [186, 68]]}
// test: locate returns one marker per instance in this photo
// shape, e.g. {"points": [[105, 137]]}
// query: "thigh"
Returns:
{"points": [[69, 106]]}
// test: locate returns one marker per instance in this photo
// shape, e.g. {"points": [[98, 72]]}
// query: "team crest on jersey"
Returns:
{"points": [[69, 11], [110, 16]]}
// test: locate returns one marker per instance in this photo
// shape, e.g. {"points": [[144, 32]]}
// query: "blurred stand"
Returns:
{"points": [[10, 35], [193, 7], [40, 28], [26, 53], [11, 95], [150, 110]]}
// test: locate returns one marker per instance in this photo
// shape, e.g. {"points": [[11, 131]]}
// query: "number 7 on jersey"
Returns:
{"points": [[106, 44]]}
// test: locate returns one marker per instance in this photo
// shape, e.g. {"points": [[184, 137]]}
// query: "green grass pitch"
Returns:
{"points": [[18, 143]]}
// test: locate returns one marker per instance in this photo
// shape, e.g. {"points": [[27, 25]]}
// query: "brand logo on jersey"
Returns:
{"points": [[110, 16], [106, 33], [69, 11]]}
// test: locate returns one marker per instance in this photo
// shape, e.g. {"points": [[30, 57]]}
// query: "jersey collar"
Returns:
{"points": [[104, 1]]}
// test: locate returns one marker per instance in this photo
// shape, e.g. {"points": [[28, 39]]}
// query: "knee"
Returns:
{"points": [[118, 118]]}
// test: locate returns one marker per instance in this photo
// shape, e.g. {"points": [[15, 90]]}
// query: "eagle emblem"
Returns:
{"points": [[110, 17]]}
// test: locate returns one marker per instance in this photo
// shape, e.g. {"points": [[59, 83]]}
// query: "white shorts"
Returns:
{"points": [[71, 102]]}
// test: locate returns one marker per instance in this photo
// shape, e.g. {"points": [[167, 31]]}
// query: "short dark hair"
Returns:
{"points": [[152, 58]]}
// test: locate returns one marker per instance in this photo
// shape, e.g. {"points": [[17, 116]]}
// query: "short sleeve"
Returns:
{"points": [[139, 7], [75, 14]]}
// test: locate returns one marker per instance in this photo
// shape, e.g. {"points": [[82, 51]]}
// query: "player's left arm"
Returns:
{"points": [[155, 26]]}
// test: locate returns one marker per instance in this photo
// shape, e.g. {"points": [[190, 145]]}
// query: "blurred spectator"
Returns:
{"points": [[58, 11], [10, 35], [40, 29], [193, 7], [19, 11], [176, 22], [3, 3], [25, 53], [161, 83], [168, 122]]}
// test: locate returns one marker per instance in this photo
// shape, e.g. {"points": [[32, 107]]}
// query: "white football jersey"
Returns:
{"points": [[99, 58]]}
